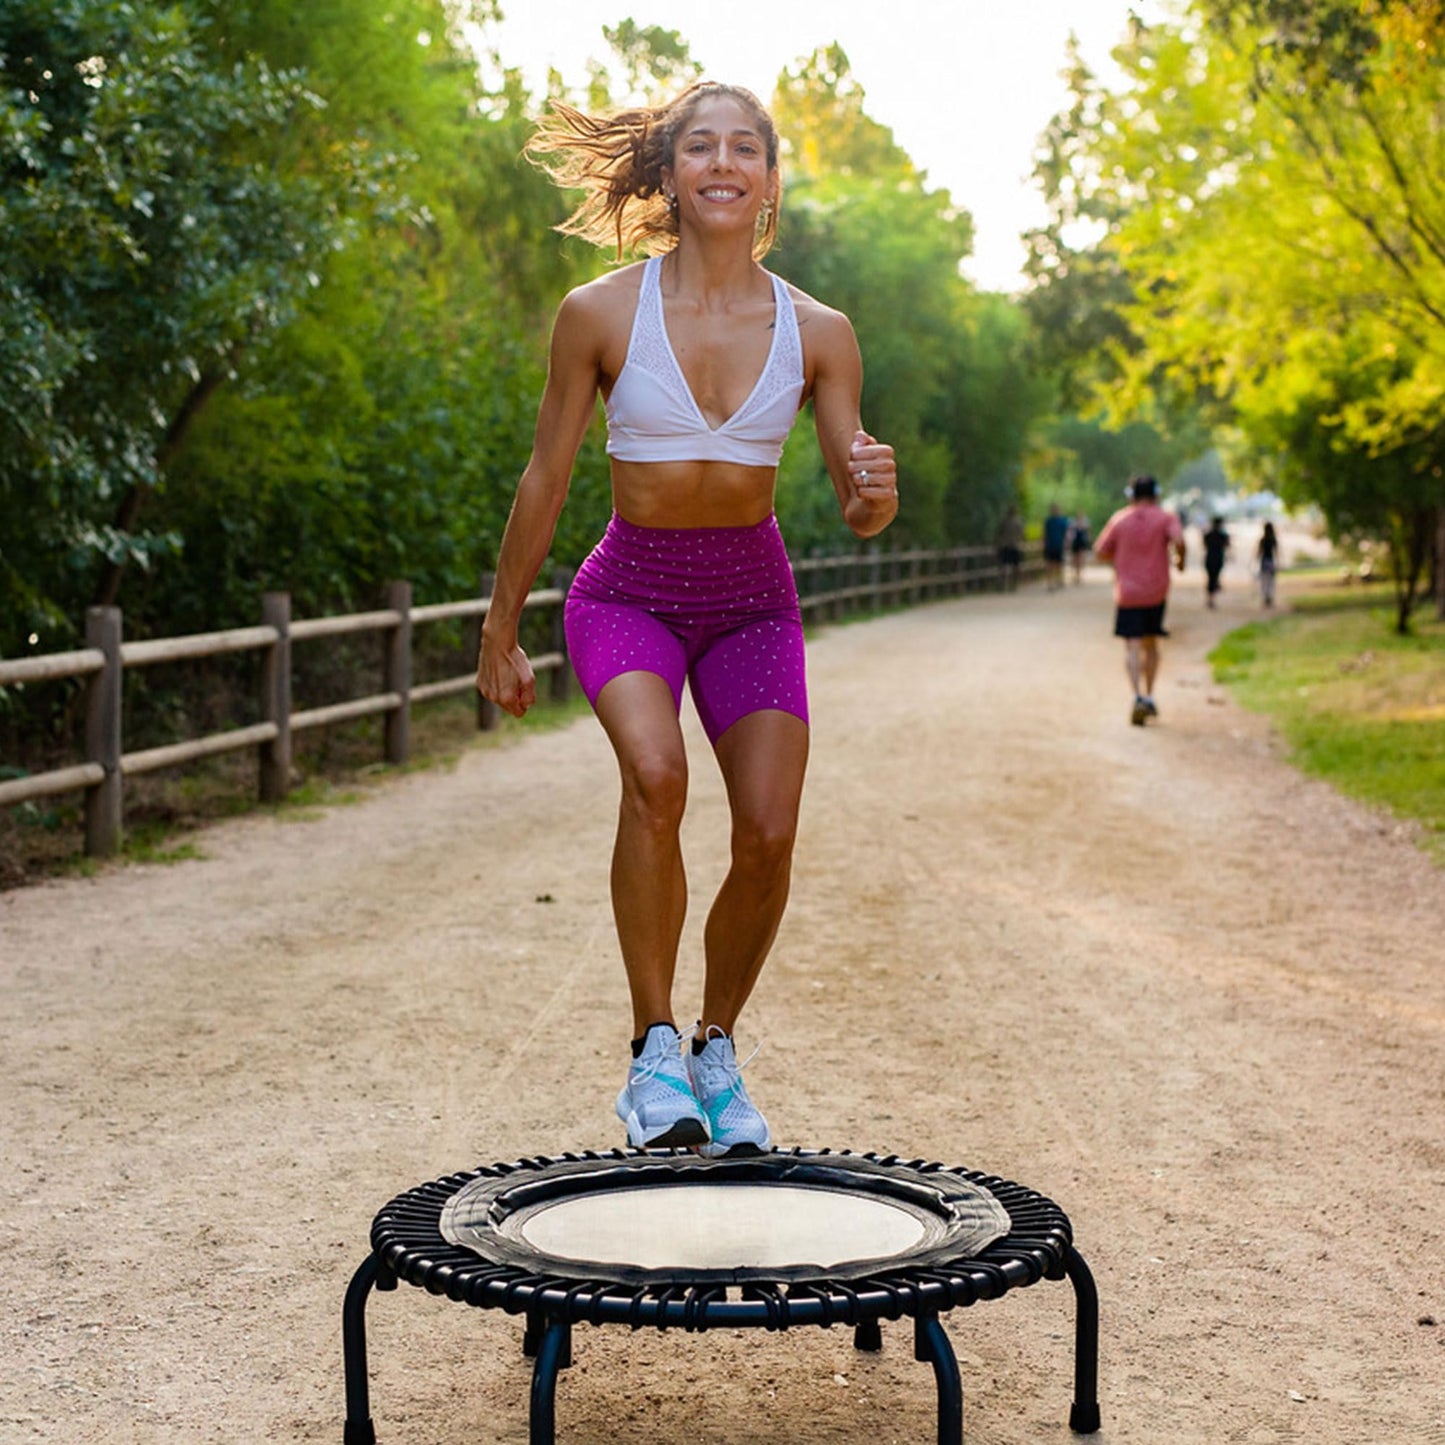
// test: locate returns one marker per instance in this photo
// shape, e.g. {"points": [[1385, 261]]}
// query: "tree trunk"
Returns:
{"points": [[1409, 551], [130, 504], [1440, 562]]}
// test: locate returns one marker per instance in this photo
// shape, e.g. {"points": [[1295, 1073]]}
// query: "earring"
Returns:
{"points": [[672, 203]]}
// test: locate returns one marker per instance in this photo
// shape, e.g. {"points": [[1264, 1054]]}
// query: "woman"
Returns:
{"points": [[703, 359], [1267, 560]]}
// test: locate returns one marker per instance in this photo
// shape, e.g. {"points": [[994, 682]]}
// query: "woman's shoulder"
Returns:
{"points": [[606, 301], [825, 331], [608, 289], [812, 311]]}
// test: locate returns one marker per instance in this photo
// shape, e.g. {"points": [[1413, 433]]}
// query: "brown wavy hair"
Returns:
{"points": [[617, 160]]}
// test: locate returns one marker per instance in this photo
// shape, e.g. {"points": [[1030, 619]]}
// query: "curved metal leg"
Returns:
{"points": [[359, 1429], [930, 1345], [1084, 1417], [554, 1353]]}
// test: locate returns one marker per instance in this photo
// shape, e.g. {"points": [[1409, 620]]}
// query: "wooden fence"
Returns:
{"points": [[829, 588]]}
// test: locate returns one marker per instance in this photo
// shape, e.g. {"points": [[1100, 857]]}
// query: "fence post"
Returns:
{"points": [[104, 802], [276, 697], [397, 677], [486, 709], [561, 675]]}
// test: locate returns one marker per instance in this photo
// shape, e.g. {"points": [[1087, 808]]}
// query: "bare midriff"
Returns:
{"points": [[692, 494]]}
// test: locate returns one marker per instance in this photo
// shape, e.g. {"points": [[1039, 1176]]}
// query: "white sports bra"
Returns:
{"points": [[652, 416]]}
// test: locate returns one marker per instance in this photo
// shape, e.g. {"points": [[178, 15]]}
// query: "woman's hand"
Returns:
{"points": [[505, 676], [873, 475]]}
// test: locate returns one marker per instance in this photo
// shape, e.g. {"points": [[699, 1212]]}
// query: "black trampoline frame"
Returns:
{"points": [[407, 1244]]}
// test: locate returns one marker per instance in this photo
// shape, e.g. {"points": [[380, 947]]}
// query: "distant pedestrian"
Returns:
{"points": [[1216, 549], [1056, 532], [1009, 542], [1266, 557], [1139, 540], [1080, 545]]}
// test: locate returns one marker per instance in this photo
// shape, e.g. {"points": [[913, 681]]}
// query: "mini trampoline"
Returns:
{"points": [[669, 1240]]}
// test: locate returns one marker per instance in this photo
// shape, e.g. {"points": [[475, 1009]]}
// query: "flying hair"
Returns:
{"points": [[617, 162]]}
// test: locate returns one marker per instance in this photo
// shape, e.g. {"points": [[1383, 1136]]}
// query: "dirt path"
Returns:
{"points": [[1152, 973]]}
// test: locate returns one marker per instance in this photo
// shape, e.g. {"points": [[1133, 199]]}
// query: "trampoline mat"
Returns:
{"points": [[775, 1217]]}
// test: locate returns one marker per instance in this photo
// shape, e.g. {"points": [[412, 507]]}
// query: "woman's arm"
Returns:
{"points": [[504, 674], [863, 470]]}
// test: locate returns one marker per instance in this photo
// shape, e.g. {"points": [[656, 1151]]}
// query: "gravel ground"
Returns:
{"points": [[1153, 973]]}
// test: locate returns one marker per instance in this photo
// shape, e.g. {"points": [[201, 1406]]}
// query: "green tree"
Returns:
{"points": [[143, 250], [1263, 177], [825, 130], [655, 63], [382, 433], [948, 379]]}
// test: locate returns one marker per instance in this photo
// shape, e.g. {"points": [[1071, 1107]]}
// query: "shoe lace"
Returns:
{"points": [[730, 1065], [650, 1064]]}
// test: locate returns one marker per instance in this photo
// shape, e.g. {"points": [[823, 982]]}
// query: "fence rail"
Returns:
{"points": [[829, 588]]}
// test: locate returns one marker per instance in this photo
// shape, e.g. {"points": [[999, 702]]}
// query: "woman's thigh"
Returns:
{"points": [[763, 758], [638, 712]]}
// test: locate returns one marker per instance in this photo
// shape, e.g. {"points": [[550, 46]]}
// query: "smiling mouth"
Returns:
{"points": [[721, 193]]}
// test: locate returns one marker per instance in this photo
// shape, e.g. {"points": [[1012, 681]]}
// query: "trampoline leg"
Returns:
{"points": [[1084, 1417], [868, 1336], [930, 1345], [554, 1353], [359, 1429]]}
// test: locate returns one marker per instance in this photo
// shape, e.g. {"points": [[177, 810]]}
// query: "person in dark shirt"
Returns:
{"points": [[1266, 557], [1056, 531], [1009, 539], [1216, 549]]}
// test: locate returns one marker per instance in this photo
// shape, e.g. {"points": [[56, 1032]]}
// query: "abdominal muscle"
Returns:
{"points": [[692, 494]]}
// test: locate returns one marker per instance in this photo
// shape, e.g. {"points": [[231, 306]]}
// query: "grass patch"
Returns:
{"points": [[1357, 705], [152, 844]]}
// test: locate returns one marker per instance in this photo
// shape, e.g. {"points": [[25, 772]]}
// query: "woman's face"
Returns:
{"points": [[720, 171]]}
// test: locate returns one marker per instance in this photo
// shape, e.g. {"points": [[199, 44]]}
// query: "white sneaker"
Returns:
{"points": [[657, 1103], [734, 1123]]}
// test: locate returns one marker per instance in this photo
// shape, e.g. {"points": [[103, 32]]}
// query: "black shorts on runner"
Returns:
{"points": [[1140, 621]]}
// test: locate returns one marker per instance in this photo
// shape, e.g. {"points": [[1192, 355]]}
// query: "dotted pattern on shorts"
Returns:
{"points": [[715, 605]]}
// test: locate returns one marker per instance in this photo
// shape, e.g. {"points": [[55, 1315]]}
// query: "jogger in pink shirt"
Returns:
{"points": [[1140, 541]]}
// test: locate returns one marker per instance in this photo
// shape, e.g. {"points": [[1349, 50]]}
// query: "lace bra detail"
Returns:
{"points": [[652, 415]]}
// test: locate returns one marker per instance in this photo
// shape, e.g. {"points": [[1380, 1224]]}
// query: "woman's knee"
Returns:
{"points": [[762, 842], [654, 788]]}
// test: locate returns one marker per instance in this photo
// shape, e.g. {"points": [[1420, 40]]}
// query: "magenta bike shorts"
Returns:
{"points": [[716, 606]]}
